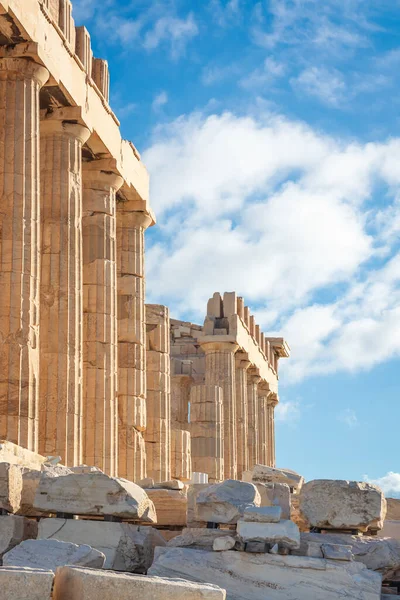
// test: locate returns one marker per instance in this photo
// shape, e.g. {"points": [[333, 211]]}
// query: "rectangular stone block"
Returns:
{"points": [[10, 487], [285, 533], [181, 456], [170, 505], [75, 583], [18, 583], [263, 514], [16, 455], [276, 494], [14, 530]]}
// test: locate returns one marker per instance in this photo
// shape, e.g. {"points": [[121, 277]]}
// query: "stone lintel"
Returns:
{"points": [[103, 172], [280, 346]]}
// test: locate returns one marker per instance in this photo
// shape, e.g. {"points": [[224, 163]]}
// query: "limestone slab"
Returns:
{"points": [[337, 504], [226, 502], [126, 547], [10, 487], [73, 583], [337, 552], [248, 576], [18, 583], [200, 538], [14, 530], [50, 554], [263, 514], [170, 506], [94, 494], [285, 533]]}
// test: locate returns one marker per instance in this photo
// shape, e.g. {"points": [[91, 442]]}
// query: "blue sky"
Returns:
{"points": [[272, 135]]}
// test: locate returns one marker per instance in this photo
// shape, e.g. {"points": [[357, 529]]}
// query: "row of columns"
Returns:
{"points": [[72, 326], [248, 409]]}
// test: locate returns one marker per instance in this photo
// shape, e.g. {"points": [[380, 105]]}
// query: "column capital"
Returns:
{"points": [[102, 173], [263, 388], [214, 346], [253, 375], [273, 400], [23, 68], [134, 218], [242, 361]]}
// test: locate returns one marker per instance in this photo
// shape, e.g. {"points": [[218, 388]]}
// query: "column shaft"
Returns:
{"points": [[253, 418], [131, 342], [220, 371], [20, 82], [61, 290], [206, 429], [100, 340], [242, 364], [263, 427]]}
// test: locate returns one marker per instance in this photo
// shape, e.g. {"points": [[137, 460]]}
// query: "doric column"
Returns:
{"points": [[20, 82], [272, 402], [100, 335], [131, 226], [220, 371], [61, 288], [242, 364], [206, 429], [263, 391], [253, 379]]}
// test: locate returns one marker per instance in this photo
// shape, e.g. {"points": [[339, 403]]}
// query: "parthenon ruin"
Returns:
{"points": [[88, 372]]}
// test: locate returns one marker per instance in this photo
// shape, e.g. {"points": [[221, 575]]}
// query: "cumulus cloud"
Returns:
{"points": [[175, 30], [389, 483], [283, 214], [327, 85]]}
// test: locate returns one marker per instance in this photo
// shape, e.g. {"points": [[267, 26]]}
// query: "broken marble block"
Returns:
{"points": [[170, 506], [14, 530], [50, 554], [285, 533], [173, 484], [226, 502], [349, 505], [94, 494], [337, 552], [264, 474], [72, 583], [16, 455], [30, 483], [224, 543], [10, 487], [276, 494], [126, 547], [201, 538], [19, 583], [263, 514], [247, 576]]}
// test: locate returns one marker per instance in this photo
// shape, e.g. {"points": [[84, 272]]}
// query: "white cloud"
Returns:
{"points": [[326, 85], [267, 74], [159, 101], [287, 412], [348, 417], [389, 483], [177, 32], [280, 213], [224, 12]]}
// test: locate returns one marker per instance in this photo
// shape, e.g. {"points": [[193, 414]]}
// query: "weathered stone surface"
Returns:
{"points": [[337, 552], [30, 482], [146, 483], [257, 576], [200, 538], [16, 455], [226, 502], [170, 506], [94, 494], [18, 583], [263, 514], [285, 533], [174, 484], [265, 474], [14, 530], [10, 487], [275, 494], [73, 583], [393, 509], [377, 554], [224, 543], [336, 504], [193, 491], [50, 554], [126, 547]]}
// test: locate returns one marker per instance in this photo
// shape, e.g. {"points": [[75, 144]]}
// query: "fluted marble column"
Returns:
{"points": [[263, 391], [272, 402], [20, 82], [100, 336], [253, 380], [242, 364], [61, 289], [220, 371], [131, 341], [206, 429]]}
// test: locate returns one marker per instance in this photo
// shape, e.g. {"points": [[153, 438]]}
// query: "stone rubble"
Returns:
{"points": [[224, 543], [226, 502], [267, 474], [73, 583], [348, 505], [50, 554]]}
